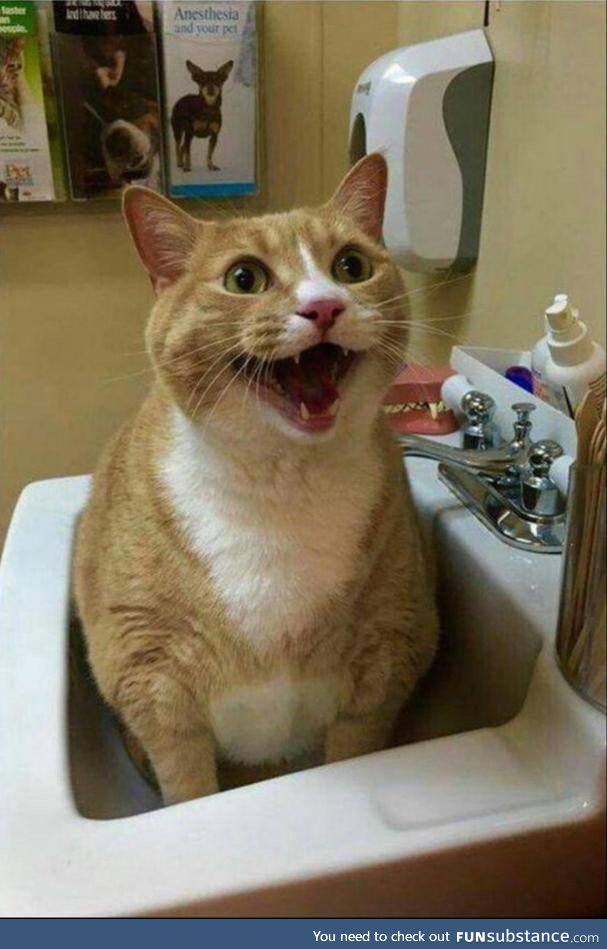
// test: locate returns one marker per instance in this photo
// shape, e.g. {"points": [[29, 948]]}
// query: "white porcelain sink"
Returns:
{"points": [[491, 803]]}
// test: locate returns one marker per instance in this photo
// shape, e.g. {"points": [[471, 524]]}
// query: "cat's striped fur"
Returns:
{"points": [[251, 590]]}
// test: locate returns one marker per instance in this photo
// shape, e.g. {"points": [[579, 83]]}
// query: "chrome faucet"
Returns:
{"points": [[508, 488], [485, 461], [480, 431]]}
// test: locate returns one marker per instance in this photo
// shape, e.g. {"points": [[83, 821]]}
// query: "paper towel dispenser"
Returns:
{"points": [[426, 109]]}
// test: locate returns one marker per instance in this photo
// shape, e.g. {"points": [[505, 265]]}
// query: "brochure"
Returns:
{"points": [[107, 74], [210, 86], [26, 172]]}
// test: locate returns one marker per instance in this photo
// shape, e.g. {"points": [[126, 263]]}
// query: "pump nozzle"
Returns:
{"points": [[560, 316]]}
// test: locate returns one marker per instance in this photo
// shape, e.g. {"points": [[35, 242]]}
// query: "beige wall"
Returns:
{"points": [[543, 224], [73, 299]]}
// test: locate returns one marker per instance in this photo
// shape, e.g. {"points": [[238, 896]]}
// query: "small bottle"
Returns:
{"points": [[574, 359], [567, 360], [539, 355]]}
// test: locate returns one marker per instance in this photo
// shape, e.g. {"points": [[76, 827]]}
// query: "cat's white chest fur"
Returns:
{"points": [[277, 551], [279, 719]]}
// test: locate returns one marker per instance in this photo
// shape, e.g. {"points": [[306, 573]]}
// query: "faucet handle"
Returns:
{"points": [[539, 494], [477, 406], [480, 433], [522, 424], [541, 456], [523, 410]]}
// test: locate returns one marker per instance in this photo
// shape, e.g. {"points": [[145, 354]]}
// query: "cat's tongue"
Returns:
{"points": [[311, 380]]}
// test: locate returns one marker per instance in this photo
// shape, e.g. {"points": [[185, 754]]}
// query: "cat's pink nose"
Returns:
{"points": [[324, 311]]}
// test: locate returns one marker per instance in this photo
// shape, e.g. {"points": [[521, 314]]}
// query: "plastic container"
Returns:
{"points": [[539, 357], [566, 360], [521, 376]]}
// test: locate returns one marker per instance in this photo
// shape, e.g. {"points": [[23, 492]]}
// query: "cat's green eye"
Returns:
{"points": [[351, 266], [247, 276]]}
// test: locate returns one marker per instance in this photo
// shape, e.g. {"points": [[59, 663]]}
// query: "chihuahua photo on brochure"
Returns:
{"points": [[199, 115]]}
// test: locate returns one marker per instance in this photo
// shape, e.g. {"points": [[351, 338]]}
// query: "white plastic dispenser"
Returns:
{"points": [[566, 360], [539, 356], [426, 109]]}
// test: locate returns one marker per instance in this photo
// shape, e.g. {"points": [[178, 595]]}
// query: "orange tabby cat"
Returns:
{"points": [[248, 571]]}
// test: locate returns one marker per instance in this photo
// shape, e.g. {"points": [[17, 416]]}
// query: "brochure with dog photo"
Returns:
{"points": [[105, 52], [26, 167], [210, 76]]}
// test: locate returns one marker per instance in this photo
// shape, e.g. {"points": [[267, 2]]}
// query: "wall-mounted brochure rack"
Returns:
{"points": [[113, 92]]}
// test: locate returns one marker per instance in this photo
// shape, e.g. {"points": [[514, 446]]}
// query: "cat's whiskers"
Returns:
{"points": [[247, 389], [256, 372], [426, 289], [176, 359], [429, 319], [145, 351], [432, 330], [198, 349], [236, 375], [266, 372], [230, 349], [421, 326], [200, 401], [223, 393], [414, 369], [413, 353], [393, 351], [168, 362]]}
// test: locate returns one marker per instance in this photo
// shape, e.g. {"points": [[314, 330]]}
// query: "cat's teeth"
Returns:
{"points": [[303, 411], [332, 410], [345, 351], [433, 410], [296, 358]]}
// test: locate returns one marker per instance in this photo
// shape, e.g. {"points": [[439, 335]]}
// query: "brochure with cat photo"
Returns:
{"points": [[107, 74], [210, 86], [26, 165]]}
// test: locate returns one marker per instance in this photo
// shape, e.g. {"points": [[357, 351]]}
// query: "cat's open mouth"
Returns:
{"points": [[304, 388]]}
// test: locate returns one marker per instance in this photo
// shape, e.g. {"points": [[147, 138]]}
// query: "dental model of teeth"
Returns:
{"points": [[413, 404], [435, 408]]}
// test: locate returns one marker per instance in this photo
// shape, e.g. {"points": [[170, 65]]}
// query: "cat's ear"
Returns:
{"points": [[163, 234], [224, 71], [362, 194]]}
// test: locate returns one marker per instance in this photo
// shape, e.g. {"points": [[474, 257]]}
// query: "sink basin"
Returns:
{"points": [[490, 802]]}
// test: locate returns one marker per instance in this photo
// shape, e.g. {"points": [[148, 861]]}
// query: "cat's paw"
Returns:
{"points": [[213, 167]]}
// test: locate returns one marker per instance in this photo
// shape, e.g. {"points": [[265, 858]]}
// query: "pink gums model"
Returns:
{"points": [[413, 404]]}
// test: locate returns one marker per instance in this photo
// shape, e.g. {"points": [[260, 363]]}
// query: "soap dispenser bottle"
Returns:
{"points": [[566, 361], [539, 356]]}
